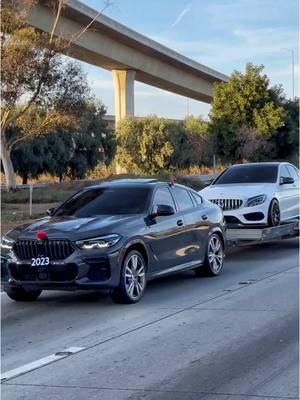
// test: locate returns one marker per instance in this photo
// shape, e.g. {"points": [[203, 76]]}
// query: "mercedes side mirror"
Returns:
{"points": [[51, 211], [284, 180]]}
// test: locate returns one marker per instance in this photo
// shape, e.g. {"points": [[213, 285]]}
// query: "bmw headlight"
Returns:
{"points": [[6, 243], [101, 242], [256, 200]]}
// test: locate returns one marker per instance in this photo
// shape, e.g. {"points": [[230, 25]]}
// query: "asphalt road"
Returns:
{"points": [[231, 337]]}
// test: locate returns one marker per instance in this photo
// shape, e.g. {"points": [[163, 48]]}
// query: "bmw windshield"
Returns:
{"points": [[105, 201], [248, 174]]}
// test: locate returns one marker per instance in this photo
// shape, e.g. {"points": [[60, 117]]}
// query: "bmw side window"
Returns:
{"points": [[196, 198], [183, 199], [163, 196], [193, 199]]}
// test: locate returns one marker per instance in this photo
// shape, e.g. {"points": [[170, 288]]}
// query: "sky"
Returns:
{"points": [[222, 34]]}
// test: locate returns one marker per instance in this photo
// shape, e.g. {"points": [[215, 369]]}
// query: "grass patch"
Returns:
{"points": [[53, 193], [18, 214], [39, 195]]}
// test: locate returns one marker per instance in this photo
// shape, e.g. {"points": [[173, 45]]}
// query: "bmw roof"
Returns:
{"points": [[129, 182]]}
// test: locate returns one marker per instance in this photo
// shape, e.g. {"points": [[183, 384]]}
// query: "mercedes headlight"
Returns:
{"points": [[6, 243], [256, 200], [101, 242]]}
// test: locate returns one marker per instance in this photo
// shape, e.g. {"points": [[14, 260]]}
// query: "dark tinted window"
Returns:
{"points": [[183, 199], [197, 198], [163, 196], [248, 174], [293, 173], [106, 201]]}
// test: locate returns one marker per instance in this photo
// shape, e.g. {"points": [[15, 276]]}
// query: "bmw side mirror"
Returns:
{"points": [[163, 210], [51, 211], [284, 180]]}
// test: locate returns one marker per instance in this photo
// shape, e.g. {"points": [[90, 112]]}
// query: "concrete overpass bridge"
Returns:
{"points": [[129, 55]]}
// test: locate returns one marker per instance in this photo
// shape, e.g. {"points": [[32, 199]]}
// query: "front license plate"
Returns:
{"points": [[38, 261]]}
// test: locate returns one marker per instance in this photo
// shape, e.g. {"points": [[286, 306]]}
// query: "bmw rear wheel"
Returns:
{"points": [[214, 257], [133, 279], [274, 213]]}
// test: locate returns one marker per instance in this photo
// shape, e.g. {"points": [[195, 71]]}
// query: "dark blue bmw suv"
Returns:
{"points": [[115, 235]]}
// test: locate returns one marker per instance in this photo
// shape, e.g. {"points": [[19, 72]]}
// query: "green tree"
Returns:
{"points": [[197, 125], [251, 145], [28, 160], [59, 150], [143, 145], [191, 142], [284, 142], [179, 140], [68, 153], [149, 145], [200, 141], [93, 143], [246, 100], [40, 90]]}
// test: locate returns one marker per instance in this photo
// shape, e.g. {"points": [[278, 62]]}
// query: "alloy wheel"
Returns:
{"points": [[275, 214], [135, 276], [215, 253]]}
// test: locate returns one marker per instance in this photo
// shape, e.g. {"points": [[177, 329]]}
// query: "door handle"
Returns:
{"points": [[204, 216], [180, 222]]}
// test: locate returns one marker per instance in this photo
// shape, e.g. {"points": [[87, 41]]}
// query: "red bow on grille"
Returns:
{"points": [[41, 235]]}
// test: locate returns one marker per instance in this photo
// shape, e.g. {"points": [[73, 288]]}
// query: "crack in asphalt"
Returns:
{"points": [[152, 390], [180, 311]]}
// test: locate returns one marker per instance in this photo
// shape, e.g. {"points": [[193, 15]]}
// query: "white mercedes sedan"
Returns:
{"points": [[256, 194]]}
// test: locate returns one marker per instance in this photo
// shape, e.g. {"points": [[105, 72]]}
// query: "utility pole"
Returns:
{"points": [[293, 68]]}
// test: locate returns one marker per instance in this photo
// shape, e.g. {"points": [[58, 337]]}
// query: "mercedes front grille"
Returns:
{"points": [[228, 204]]}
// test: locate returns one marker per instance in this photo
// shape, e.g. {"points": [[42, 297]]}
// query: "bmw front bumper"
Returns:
{"points": [[83, 269]]}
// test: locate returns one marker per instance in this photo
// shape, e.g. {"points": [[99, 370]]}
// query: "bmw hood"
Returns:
{"points": [[74, 228], [236, 191]]}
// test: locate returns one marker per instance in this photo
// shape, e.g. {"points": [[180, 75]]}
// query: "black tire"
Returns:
{"points": [[214, 257], [132, 280], [274, 213], [20, 294]]}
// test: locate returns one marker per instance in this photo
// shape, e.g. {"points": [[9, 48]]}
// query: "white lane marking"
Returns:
{"points": [[13, 373]]}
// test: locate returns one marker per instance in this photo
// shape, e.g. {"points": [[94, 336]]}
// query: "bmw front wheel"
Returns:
{"points": [[133, 279]]}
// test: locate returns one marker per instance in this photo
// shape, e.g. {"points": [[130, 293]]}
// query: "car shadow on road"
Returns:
{"points": [[167, 286], [170, 286]]}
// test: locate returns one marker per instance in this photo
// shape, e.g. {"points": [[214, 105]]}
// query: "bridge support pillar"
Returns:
{"points": [[124, 99], [124, 93]]}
